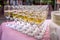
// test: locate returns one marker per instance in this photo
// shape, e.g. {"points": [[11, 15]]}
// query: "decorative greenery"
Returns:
{"points": [[46, 1], [0, 5], [37, 1], [5, 2]]}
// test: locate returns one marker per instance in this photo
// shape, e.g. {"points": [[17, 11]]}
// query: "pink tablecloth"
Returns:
{"points": [[0, 32], [10, 34]]}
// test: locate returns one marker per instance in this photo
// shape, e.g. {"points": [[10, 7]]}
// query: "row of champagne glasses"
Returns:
{"points": [[33, 14]]}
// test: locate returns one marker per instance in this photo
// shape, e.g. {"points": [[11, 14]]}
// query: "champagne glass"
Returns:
{"points": [[7, 12], [55, 15]]}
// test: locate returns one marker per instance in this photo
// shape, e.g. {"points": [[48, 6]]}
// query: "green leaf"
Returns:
{"points": [[0, 5], [46, 1]]}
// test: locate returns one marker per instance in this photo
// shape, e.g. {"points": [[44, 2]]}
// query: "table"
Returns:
{"points": [[11, 34]]}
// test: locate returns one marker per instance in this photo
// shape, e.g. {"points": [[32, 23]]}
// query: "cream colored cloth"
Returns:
{"points": [[54, 30], [59, 9]]}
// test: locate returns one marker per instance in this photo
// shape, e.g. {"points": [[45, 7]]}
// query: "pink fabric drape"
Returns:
{"points": [[11, 34]]}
